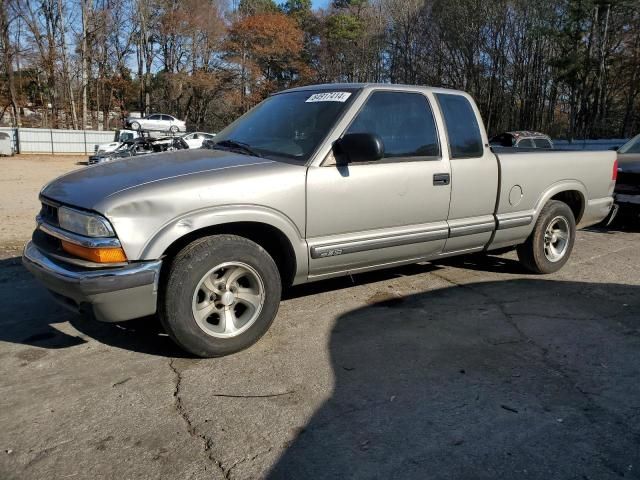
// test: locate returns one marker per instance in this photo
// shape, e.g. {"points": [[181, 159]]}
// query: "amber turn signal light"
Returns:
{"points": [[97, 255]]}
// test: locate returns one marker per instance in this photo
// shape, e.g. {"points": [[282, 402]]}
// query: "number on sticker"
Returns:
{"points": [[329, 97]]}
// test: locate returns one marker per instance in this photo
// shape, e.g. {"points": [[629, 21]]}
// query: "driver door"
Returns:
{"points": [[386, 212]]}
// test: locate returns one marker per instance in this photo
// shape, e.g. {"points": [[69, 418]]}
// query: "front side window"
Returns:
{"points": [[404, 122], [289, 125], [463, 131]]}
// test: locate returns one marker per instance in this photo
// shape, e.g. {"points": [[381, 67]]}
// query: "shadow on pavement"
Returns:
{"points": [[625, 221], [523, 378], [340, 283], [28, 314], [484, 263]]}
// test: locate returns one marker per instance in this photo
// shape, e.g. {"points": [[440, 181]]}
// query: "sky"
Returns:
{"points": [[320, 3]]}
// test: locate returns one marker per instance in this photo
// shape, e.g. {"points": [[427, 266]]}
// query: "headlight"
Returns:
{"points": [[83, 223]]}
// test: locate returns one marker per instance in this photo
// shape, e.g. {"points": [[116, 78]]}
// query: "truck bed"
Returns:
{"points": [[524, 190]]}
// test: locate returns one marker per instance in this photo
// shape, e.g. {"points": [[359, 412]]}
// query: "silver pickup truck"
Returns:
{"points": [[312, 183]]}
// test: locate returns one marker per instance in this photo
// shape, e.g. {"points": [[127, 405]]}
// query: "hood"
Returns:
{"points": [[87, 187]]}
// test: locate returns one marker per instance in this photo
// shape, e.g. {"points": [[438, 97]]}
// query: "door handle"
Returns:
{"points": [[441, 179]]}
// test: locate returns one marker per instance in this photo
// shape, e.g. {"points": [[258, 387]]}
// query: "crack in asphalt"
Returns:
{"points": [[247, 459], [206, 441], [267, 395], [191, 429]]}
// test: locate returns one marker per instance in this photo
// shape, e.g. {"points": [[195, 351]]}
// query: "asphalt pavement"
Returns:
{"points": [[465, 369]]}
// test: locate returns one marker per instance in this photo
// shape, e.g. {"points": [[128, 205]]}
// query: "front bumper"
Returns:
{"points": [[111, 295]]}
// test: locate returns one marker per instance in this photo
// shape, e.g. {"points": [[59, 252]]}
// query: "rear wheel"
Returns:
{"points": [[173, 129], [221, 295], [550, 244], [135, 126]]}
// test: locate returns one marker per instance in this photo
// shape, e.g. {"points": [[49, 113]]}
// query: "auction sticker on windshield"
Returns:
{"points": [[329, 97]]}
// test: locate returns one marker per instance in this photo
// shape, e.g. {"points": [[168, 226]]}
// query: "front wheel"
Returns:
{"points": [[550, 244], [173, 129], [221, 296], [135, 126]]}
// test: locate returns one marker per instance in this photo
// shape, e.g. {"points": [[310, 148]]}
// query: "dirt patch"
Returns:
{"points": [[23, 176], [32, 354], [385, 299]]}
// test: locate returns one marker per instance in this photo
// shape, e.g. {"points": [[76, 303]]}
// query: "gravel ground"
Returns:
{"points": [[466, 369], [22, 178]]}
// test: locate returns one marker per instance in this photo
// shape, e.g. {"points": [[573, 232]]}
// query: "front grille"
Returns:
{"points": [[46, 242], [49, 213]]}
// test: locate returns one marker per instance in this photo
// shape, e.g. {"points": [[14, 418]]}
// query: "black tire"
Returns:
{"points": [[532, 253], [190, 265]]}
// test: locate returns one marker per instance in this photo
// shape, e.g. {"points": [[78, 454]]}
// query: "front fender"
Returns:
{"points": [[191, 222]]}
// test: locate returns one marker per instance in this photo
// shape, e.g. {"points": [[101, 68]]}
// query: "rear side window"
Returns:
{"points": [[404, 121], [542, 143], [465, 140], [167, 118], [526, 143]]}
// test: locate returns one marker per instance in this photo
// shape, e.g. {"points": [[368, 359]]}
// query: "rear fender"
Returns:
{"points": [[559, 187]]}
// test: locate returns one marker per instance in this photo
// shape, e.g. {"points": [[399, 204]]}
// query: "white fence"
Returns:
{"points": [[54, 141]]}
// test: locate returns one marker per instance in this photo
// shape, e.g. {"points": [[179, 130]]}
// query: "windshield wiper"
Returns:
{"points": [[233, 144]]}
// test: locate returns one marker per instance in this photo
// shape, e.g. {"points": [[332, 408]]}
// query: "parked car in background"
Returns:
{"points": [[522, 139], [314, 182], [120, 136], [158, 122], [195, 139], [627, 191], [141, 145]]}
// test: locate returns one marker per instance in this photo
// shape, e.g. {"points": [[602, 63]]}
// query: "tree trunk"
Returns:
{"points": [[8, 61], [83, 53], [65, 66]]}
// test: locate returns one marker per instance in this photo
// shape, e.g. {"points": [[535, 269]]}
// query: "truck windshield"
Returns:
{"points": [[288, 125]]}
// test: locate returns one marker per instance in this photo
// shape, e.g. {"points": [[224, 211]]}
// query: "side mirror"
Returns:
{"points": [[358, 147]]}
